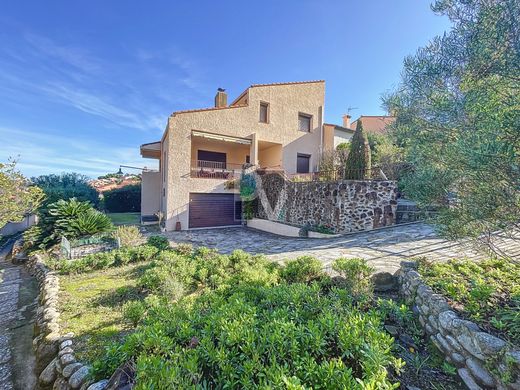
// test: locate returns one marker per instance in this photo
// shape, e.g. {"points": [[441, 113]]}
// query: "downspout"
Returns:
{"points": [[320, 119]]}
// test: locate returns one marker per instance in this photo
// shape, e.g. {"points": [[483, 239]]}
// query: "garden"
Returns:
{"points": [[194, 318]]}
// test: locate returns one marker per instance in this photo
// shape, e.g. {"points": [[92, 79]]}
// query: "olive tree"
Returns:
{"points": [[17, 196], [458, 118]]}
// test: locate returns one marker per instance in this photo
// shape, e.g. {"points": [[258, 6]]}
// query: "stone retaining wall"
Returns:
{"points": [[345, 205], [56, 365], [483, 360]]}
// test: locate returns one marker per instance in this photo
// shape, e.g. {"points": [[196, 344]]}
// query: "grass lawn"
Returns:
{"points": [[90, 306], [125, 218]]}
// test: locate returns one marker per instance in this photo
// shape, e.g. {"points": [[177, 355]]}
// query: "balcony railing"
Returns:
{"points": [[215, 170]]}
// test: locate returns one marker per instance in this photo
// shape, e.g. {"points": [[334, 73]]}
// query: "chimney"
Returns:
{"points": [[221, 98], [346, 121]]}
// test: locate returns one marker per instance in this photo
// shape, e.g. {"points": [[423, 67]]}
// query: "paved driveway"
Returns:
{"points": [[384, 248]]}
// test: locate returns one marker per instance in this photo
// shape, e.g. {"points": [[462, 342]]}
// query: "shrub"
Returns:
{"points": [[134, 312], [356, 273], [159, 242], [358, 163], [487, 291], [184, 249], [286, 336], [88, 223], [302, 270], [66, 186], [123, 200], [70, 218], [129, 236]]}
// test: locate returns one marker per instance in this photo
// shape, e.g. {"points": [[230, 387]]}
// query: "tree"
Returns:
{"points": [[358, 165], [458, 117], [67, 186], [17, 195]]}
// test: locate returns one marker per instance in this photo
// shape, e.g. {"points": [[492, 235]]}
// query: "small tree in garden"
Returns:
{"points": [[359, 162], [17, 196]]}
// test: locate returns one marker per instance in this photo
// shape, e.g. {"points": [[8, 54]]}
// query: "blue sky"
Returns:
{"points": [[84, 83]]}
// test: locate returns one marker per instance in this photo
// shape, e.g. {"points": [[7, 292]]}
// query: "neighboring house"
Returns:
{"points": [[335, 134], [374, 123], [277, 126]]}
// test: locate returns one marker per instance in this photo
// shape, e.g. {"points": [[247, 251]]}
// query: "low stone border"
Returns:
{"points": [[56, 365], [483, 360]]}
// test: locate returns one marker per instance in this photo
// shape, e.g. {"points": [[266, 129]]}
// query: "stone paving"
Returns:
{"points": [[384, 249], [16, 312]]}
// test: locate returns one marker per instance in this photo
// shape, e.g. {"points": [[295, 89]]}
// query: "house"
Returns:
{"points": [[276, 126], [376, 124], [335, 134]]}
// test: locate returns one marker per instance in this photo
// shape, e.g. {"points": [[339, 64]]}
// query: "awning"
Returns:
{"points": [[220, 137]]}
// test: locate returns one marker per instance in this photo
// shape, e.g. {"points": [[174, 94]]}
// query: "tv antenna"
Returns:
{"points": [[350, 108]]}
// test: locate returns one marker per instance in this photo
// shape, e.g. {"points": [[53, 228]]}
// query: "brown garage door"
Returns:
{"points": [[208, 210]]}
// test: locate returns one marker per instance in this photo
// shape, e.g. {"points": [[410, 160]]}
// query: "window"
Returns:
{"points": [[264, 112], [248, 160], [303, 163], [304, 122]]}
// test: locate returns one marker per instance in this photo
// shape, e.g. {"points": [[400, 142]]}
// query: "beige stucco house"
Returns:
{"points": [[278, 126]]}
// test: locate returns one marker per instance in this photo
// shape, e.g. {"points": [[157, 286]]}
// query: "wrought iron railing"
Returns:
{"points": [[374, 173], [215, 170]]}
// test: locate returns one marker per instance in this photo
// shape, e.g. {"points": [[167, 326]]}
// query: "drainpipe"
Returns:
{"points": [[320, 120]]}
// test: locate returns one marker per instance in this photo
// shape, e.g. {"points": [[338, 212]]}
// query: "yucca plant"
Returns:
{"points": [[89, 222]]}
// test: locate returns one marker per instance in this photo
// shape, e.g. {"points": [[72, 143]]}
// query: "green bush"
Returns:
{"points": [[358, 164], [66, 186], [356, 273], [302, 270], [184, 249], [159, 242], [69, 218], [488, 291], [134, 312], [88, 223], [286, 336], [123, 200], [129, 235]]}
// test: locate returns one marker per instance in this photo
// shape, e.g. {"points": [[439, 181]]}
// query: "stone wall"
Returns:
{"points": [[56, 365], [483, 360], [345, 205]]}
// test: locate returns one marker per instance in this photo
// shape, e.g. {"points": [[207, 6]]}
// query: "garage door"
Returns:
{"points": [[209, 210]]}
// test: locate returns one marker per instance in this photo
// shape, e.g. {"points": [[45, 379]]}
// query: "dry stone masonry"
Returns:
{"points": [[56, 364], [345, 205], [483, 360]]}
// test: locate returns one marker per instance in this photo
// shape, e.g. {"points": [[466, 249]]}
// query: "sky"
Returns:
{"points": [[84, 83]]}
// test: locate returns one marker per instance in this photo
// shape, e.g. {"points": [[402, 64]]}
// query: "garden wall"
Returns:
{"points": [[344, 205], [56, 365], [483, 360]]}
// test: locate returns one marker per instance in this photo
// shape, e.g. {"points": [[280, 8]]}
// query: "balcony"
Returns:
{"points": [[215, 170]]}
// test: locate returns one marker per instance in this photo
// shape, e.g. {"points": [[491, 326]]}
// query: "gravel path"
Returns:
{"points": [[384, 249]]}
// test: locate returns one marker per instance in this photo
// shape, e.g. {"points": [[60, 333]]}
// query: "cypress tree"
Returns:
{"points": [[359, 162]]}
